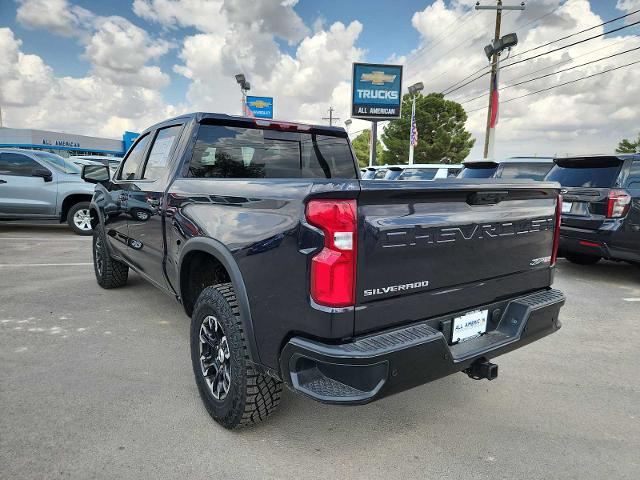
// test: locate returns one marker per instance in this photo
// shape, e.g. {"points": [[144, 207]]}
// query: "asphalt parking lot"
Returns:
{"points": [[98, 384]]}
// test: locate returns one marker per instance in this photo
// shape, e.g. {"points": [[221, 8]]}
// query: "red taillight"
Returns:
{"points": [[333, 270], [619, 203], [556, 231]]}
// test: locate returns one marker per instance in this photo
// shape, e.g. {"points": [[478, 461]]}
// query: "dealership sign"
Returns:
{"points": [[260, 107], [376, 91], [60, 143]]}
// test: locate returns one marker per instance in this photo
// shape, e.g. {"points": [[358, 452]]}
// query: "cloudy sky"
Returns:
{"points": [[102, 67]]}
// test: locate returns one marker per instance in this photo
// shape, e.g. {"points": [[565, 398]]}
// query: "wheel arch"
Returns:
{"points": [[220, 254], [69, 201]]}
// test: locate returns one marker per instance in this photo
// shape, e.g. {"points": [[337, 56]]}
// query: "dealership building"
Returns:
{"points": [[65, 144]]}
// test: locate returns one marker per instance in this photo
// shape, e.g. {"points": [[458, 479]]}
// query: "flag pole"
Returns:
{"points": [[413, 119]]}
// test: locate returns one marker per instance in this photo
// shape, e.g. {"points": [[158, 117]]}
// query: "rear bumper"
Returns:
{"points": [[599, 243], [379, 365]]}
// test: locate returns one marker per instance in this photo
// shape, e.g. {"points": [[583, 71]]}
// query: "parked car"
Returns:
{"points": [[600, 208], [42, 185], [295, 271], [111, 162], [426, 171], [368, 173], [531, 168], [83, 161]]}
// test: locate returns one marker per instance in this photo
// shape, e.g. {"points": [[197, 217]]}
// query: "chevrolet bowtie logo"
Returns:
{"points": [[377, 78], [260, 104]]}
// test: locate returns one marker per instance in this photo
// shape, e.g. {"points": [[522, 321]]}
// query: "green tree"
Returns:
{"points": [[441, 133], [361, 147], [628, 146]]}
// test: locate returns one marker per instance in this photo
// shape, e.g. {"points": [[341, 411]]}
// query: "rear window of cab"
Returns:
{"points": [[238, 152]]}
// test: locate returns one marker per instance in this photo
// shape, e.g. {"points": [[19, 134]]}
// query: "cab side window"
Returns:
{"points": [[634, 175], [158, 162], [134, 159], [17, 165]]}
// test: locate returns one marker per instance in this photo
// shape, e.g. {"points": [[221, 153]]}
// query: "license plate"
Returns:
{"points": [[566, 207], [469, 325]]}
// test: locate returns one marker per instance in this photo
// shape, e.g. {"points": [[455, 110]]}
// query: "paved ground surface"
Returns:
{"points": [[98, 384]]}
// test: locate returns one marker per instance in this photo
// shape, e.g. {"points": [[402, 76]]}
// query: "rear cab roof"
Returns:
{"points": [[206, 117]]}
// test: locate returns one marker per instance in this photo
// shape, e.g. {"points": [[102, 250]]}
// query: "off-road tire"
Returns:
{"points": [[582, 259], [252, 396], [70, 218], [112, 273]]}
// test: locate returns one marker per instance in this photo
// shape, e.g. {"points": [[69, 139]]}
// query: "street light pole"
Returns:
{"points": [[244, 88]]}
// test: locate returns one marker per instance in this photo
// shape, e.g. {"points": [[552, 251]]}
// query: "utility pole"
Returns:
{"points": [[331, 118], [489, 137]]}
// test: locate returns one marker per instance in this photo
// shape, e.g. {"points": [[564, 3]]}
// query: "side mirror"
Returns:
{"points": [[42, 173], [95, 173]]}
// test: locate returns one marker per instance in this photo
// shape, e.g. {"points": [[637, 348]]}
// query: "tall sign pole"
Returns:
{"points": [[492, 111], [373, 143]]}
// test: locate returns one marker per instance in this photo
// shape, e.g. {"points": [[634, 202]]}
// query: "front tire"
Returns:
{"points": [[79, 218], [110, 273], [233, 393], [582, 259]]}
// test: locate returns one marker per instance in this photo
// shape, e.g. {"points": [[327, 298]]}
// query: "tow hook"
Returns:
{"points": [[482, 369]]}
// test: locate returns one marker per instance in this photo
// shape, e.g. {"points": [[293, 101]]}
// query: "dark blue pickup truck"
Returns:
{"points": [[296, 271]]}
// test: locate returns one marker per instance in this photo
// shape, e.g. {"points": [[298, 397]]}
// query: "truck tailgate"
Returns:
{"points": [[451, 245]]}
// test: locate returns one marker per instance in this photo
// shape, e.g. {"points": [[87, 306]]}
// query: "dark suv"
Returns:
{"points": [[528, 168], [601, 207]]}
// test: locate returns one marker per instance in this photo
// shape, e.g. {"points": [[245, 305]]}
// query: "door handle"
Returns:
{"points": [[3, 181]]}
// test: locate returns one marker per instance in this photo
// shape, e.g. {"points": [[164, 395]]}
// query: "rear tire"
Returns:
{"points": [[232, 391], [79, 218], [110, 273], [582, 259]]}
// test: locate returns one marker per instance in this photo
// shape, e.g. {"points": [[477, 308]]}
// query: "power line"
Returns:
{"points": [[578, 33], [560, 85], [554, 65], [542, 54], [535, 20], [571, 44], [553, 73]]}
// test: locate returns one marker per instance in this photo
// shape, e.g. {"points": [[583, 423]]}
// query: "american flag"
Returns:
{"points": [[414, 129]]}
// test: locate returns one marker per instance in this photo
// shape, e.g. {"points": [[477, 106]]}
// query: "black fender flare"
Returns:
{"points": [[223, 255]]}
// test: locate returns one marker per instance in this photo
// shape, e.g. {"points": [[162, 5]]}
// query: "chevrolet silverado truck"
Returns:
{"points": [[36, 185], [295, 271]]}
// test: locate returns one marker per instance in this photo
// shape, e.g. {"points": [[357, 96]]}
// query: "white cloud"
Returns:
{"points": [[628, 5], [25, 79], [119, 50], [56, 16], [588, 116], [205, 15], [35, 98], [304, 84]]}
